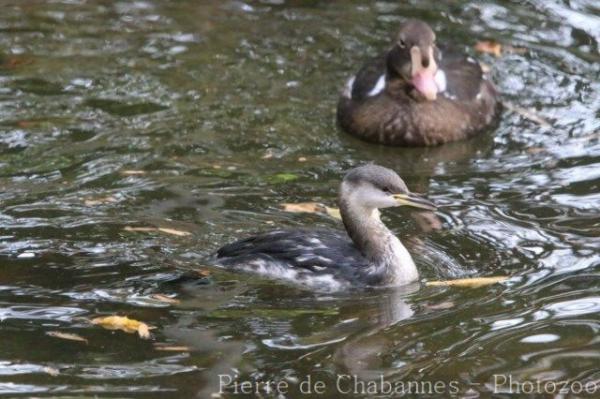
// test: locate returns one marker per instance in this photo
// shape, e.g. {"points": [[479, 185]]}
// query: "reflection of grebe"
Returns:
{"points": [[362, 354], [328, 259]]}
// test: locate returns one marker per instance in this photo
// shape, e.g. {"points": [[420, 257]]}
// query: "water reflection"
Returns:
{"points": [[179, 114], [362, 354]]}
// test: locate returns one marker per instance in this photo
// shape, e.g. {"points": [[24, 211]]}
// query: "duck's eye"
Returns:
{"points": [[402, 43]]}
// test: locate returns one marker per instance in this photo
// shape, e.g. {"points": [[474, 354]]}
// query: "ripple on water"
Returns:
{"points": [[540, 338], [152, 113], [575, 307], [48, 313]]}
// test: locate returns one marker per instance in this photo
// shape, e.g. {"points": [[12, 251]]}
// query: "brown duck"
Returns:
{"points": [[415, 95]]}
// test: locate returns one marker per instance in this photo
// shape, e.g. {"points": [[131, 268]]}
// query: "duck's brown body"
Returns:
{"points": [[379, 108]]}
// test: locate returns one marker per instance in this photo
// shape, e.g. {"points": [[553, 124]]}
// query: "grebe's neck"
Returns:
{"points": [[386, 254]]}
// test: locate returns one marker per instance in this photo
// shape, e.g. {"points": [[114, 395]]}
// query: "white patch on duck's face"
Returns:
{"points": [[379, 86], [440, 80], [348, 87]]}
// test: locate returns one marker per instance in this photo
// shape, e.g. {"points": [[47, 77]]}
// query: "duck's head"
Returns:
{"points": [[413, 58]]}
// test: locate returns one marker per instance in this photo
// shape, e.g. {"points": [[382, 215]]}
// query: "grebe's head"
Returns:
{"points": [[372, 186], [413, 58]]}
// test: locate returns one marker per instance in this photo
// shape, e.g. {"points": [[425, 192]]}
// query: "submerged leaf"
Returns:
{"points": [[119, 108], [527, 114], [475, 282], [67, 336], [165, 299], [123, 323], [38, 86], [440, 306], [282, 178], [14, 62], [166, 230]]}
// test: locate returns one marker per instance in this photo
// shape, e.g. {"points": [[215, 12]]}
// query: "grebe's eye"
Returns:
{"points": [[402, 43], [387, 190]]}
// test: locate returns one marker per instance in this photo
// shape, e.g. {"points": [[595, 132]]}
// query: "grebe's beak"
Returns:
{"points": [[414, 200], [423, 70]]}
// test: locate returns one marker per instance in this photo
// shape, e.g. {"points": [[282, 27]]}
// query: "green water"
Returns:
{"points": [[203, 117]]}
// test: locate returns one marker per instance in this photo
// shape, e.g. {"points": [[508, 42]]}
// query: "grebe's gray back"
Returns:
{"points": [[368, 255]]}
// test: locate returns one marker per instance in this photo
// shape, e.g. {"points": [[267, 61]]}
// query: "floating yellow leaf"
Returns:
{"points": [[334, 212], [202, 272], [174, 232], [140, 229], [311, 207], [166, 230], [496, 49], [133, 172], [67, 336], [123, 323], [171, 348], [440, 306], [489, 47], [143, 330], [535, 150], [165, 299], [268, 154], [475, 282], [100, 201], [51, 371]]}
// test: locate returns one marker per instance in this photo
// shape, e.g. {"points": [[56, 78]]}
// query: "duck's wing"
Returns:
{"points": [[370, 79], [464, 76], [316, 251]]}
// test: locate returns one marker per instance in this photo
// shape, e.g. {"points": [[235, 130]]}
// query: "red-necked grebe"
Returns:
{"points": [[368, 255]]}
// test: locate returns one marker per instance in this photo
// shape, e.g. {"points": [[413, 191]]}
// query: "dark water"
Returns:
{"points": [[203, 117]]}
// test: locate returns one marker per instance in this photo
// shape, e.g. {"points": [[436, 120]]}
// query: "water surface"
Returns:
{"points": [[203, 117]]}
